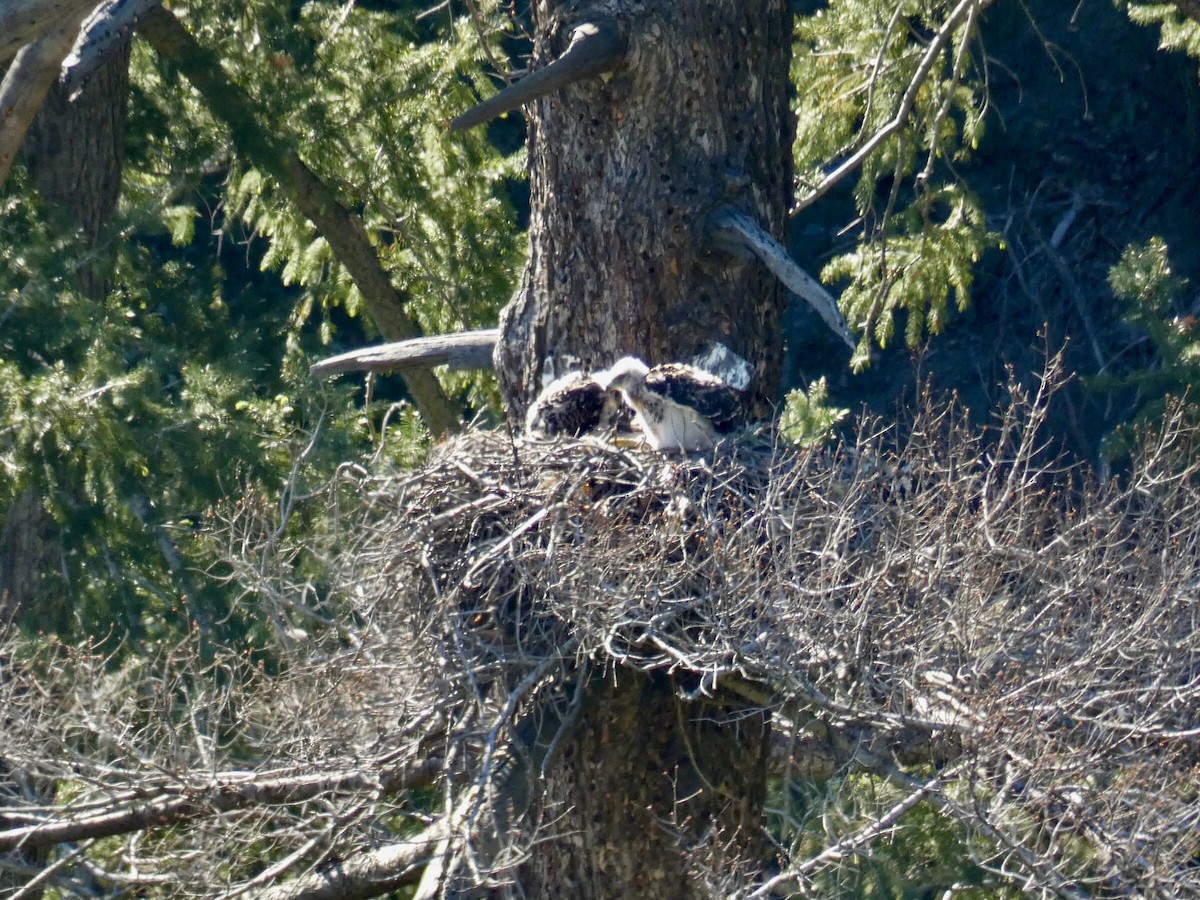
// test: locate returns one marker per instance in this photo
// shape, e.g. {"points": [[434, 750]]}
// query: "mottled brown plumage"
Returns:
{"points": [[677, 406], [572, 406]]}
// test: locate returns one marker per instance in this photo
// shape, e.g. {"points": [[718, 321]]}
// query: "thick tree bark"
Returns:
{"points": [[27, 551], [74, 150], [23, 21], [650, 794], [625, 170], [26, 84]]}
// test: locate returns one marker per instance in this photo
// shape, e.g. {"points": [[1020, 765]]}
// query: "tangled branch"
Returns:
{"points": [[996, 638]]}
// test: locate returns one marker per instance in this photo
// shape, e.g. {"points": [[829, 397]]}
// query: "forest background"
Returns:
{"points": [[154, 382], [129, 415]]}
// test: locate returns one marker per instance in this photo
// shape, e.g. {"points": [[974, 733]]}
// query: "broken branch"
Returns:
{"points": [[737, 232], [464, 350], [595, 47]]}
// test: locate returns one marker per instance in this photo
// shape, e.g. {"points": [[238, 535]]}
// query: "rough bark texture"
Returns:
{"points": [[624, 172], [22, 21], [650, 795], [27, 552], [74, 150], [26, 83]]}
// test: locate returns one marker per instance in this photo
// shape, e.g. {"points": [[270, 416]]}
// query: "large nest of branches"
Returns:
{"points": [[988, 637], [512, 555], [953, 598]]}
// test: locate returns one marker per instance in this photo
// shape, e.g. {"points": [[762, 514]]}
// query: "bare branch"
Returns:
{"points": [[735, 230], [105, 31], [849, 844], [369, 874], [464, 350], [225, 793], [929, 595], [596, 47]]}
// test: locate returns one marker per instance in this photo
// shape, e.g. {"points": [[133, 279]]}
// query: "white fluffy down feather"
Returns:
{"points": [[678, 407]]}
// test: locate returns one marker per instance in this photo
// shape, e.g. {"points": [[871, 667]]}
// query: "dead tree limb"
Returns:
{"points": [[274, 151], [228, 792], [23, 21], [465, 350], [737, 232], [27, 82], [595, 48], [105, 31]]}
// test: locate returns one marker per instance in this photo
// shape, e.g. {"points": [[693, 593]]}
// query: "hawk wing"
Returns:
{"points": [[711, 397], [574, 406]]}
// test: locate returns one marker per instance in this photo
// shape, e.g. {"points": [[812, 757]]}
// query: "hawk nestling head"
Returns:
{"points": [[677, 406]]}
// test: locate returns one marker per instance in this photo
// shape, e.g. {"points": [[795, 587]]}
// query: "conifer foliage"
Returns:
{"points": [[264, 635], [128, 416]]}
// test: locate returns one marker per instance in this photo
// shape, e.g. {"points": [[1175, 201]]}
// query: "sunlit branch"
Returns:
{"points": [[226, 793], [105, 31], [900, 119], [595, 48], [732, 229], [464, 350]]}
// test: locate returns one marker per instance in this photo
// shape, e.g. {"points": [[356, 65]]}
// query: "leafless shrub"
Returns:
{"points": [[998, 637]]}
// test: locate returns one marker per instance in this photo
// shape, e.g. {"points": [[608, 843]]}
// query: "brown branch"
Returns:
{"points": [[595, 47], [1188, 8], [23, 21], [733, 229], [27, 82], [899, 120], [464, 350], [274, 151], [224, 794]]}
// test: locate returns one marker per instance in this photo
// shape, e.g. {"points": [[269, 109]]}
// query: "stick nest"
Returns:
{"points": [[957, 598], [514, 553]]}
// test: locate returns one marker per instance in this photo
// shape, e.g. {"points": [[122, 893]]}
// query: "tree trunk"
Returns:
{"points": [[650, 795], [74, 152], [625, 170], [27, 553]]}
